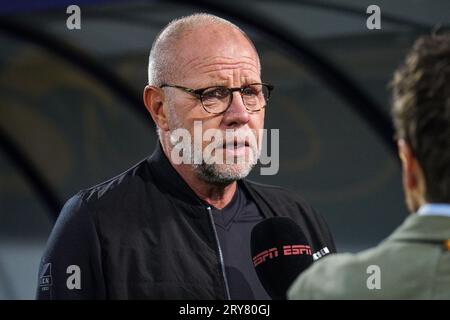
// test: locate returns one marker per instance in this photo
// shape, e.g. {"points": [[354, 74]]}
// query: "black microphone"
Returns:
{"points": [[280, 252]]}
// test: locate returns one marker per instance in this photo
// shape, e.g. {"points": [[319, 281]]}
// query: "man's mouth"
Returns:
{"points": [[235, 144]]}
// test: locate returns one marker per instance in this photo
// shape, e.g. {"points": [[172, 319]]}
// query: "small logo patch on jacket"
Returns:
{"points": [[45, 278]]}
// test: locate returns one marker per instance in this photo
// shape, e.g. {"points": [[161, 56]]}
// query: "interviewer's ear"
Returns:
{"points": [[154, 102], [410, 167]]}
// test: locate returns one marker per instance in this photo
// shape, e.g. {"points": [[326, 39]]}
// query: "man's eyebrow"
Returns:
{"points": [[248, 81], [219, 83]]}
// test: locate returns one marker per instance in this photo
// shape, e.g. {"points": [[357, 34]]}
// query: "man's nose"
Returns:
{"points": [[237, 114]]}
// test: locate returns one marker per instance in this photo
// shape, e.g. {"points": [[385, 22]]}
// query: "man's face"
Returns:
{"points": [[218, 56]]}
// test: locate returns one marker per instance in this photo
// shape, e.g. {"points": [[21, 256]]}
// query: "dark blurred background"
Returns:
{"points": [[71, 113]]}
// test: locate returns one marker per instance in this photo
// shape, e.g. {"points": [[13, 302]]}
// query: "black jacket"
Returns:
{"points": [[145, 235]]}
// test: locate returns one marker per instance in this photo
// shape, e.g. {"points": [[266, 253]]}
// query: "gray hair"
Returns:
{"points": [[162, 60]]}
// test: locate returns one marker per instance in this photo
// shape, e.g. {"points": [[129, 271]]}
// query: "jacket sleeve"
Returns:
{"points": [[71, 266]]}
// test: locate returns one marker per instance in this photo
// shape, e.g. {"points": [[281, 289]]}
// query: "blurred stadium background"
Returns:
{"points": [[71, 113]]}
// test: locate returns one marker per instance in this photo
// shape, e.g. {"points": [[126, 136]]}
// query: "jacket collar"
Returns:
{"points": [[168, 178], [423, 228]]}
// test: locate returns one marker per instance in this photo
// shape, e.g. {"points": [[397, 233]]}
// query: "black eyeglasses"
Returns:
{"points": [[218, 99]]}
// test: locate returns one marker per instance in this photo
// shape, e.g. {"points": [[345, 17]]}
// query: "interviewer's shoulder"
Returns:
{"points": [[342, 276], [327, 278]]}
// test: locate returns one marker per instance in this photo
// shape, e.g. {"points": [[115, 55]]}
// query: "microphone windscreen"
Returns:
{"points": [[280, 252]]}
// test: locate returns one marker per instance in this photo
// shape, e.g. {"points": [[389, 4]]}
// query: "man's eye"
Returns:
{"points": [[249, 91], [217, 93]]}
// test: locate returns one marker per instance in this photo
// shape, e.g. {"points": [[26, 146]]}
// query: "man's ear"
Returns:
{"points": [[410, 167], [154, 101]]}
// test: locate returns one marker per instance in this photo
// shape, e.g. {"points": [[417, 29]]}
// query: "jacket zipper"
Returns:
{"points": [[222, 263]]}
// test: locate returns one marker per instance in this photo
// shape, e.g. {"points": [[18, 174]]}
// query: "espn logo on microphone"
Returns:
{"points": [[288, 250]]}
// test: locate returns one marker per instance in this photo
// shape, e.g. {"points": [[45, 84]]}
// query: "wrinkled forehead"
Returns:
{"points": [[209, 44]]}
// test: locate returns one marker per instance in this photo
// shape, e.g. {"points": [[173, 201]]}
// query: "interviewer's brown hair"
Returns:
{"points": [[421, 110]]}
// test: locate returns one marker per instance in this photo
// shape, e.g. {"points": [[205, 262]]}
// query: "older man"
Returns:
{"points": [[177, 225], [414, 262]]}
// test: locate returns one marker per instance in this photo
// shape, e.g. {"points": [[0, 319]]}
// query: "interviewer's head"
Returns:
{"points": [[197, 52], [421, 113]]}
